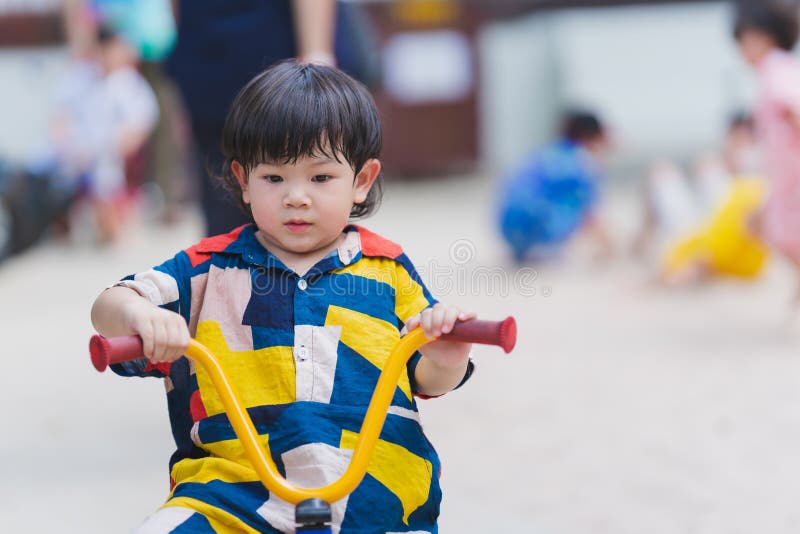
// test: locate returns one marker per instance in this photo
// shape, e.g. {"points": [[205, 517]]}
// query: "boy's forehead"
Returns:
{"points": [[311, 159]]}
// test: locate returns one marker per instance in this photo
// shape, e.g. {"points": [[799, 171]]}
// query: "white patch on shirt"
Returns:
{"points": [[350, 247], [156, 286], [227, 294], [404, 412], [198, 293], [194, 434], [315, 356], [165, 520], [313, 465]]}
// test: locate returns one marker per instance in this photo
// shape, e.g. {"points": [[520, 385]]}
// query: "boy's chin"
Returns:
{"points": [[305, 246]]}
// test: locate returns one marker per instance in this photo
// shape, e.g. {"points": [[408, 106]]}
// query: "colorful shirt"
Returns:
{"points": [[304, 354]]}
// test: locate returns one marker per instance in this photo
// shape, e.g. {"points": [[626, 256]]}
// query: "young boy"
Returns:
{"points": [[302, 309]]}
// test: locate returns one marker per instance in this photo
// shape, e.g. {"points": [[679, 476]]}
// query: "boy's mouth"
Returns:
{"points": [[297, 225]]}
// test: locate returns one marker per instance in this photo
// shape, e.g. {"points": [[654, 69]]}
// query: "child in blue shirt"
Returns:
{"points": [[554, 191], [302, 309]]}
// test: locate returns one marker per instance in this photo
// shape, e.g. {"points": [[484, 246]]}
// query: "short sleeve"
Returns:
{"points": [[167, 285], [411, 297]]}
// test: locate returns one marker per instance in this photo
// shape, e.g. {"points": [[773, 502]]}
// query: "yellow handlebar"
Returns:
{"points": [[501, 333]]}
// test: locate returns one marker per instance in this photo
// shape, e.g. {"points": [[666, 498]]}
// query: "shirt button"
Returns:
{"points": [[302, 284]]}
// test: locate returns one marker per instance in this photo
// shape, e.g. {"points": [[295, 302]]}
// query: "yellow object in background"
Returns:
{"points": [[725, 246], [426, 13]]}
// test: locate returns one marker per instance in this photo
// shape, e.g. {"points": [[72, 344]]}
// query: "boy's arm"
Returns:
{"points": [[444, 363], [433, 379], [109, 315], [121, 311]]}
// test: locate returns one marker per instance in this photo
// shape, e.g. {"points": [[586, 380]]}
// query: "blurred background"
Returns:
{"points": [[593, 168]]}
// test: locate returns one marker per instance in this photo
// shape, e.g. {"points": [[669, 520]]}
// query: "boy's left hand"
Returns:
{"points": [[436, 321]]}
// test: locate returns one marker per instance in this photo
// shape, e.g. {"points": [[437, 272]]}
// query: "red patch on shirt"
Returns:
{"points": [[202, 251], [196, 407], [162, 367], [374, 245]]}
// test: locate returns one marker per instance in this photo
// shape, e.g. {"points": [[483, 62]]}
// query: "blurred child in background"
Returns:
{"points": [[695, 222], [101, 114], [766, 32], [553, 194], [125, 112]]}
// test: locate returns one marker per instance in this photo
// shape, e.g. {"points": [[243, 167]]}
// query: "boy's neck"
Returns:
{"points": [[300, 262]]}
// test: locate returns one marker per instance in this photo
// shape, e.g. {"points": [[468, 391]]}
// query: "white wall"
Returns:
{"points": [[27, 79], [519, 86], [666, 78]]}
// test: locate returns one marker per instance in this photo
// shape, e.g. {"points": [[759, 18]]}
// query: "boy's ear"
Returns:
{"points": [[241, 177], [365, 179]]}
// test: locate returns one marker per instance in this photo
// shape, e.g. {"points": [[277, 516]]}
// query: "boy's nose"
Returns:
{"points": [[296, 197]]}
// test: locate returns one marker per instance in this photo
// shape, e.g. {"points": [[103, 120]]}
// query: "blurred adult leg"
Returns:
{"points": [[220, 211]]}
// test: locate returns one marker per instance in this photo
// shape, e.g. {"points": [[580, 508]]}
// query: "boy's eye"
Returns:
{"points": [[274, 179], [321, 178]]}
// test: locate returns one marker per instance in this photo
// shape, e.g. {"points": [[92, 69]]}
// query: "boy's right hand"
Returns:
{"points": [[165, 335]]}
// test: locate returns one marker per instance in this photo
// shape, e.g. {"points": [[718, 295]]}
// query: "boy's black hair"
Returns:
{"points": [[580, 126], [777, 20], [294, 110]]}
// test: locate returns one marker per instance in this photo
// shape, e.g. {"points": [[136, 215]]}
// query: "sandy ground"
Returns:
{"points": [[624, 409]]}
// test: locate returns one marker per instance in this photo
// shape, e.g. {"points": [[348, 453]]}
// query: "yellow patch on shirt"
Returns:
{"points": [[234, 468], [220, 520], [405, 474], [409, 295], [260, 377], [372, 338], [373, 269]]}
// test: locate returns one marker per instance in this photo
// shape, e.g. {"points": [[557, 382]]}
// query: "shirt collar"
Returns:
{"points": [[252, 251]]}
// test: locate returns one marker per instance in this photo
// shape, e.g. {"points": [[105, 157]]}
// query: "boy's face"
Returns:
{"points": [[755, 45], [301, 208]]}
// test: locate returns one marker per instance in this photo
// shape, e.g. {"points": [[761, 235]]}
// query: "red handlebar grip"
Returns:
{"points": [[500, 333], [107, 351]]}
